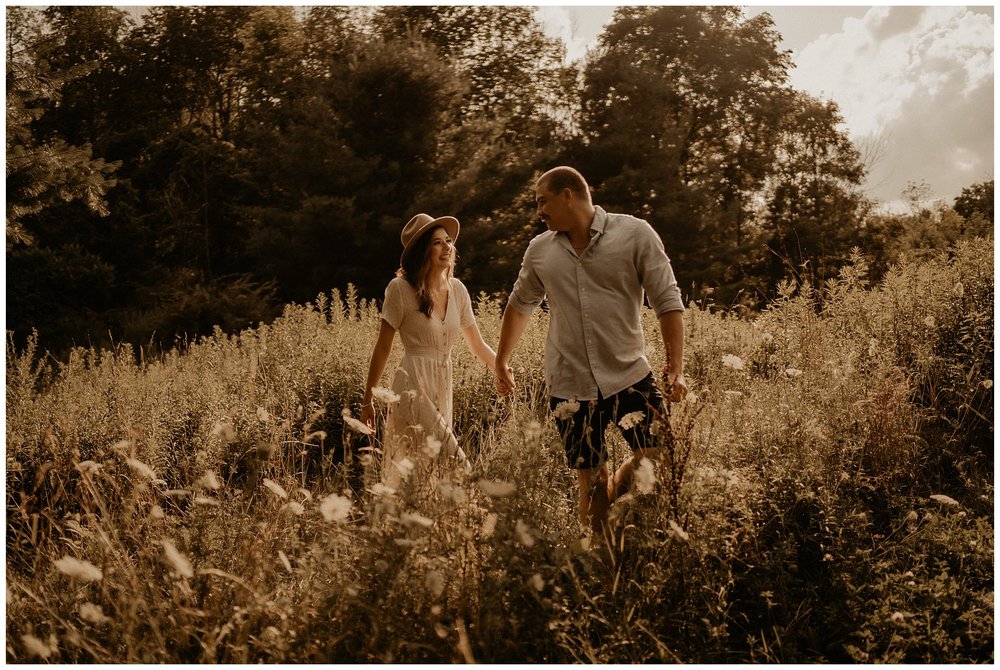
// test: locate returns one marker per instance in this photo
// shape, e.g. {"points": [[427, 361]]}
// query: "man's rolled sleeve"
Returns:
{"points": [[528, 290], [657, 275]]}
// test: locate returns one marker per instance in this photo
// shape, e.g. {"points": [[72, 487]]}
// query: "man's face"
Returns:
{"points": [[553, 209]]}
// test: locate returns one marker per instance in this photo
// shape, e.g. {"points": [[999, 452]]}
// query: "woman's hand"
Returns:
{"points": [[368, 413]]}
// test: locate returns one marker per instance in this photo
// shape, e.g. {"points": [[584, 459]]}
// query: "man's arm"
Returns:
{"points": [[511, 328], [672, 330]]}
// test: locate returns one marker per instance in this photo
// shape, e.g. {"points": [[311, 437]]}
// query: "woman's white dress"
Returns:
{"points": [[423, 380]]}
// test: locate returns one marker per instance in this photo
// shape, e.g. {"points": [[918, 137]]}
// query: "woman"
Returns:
{"points": [[428, 307]]}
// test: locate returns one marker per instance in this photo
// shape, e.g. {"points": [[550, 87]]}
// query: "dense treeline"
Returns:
{"points": [[206, 165]]}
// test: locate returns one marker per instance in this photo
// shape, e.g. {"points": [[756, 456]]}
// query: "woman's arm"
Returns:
{"points": [[477, 345], [383, 347]]}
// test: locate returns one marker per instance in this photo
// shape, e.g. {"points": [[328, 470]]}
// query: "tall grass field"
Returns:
{"points": [[825, 494]]}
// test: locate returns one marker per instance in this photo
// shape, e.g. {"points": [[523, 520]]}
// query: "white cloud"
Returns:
{"points": [[917, 76]]}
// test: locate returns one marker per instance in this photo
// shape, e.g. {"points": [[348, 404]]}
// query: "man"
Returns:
{"points": [[594, 267]]}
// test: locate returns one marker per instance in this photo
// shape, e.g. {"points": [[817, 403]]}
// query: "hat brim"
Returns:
{"points": [[449, 223]]}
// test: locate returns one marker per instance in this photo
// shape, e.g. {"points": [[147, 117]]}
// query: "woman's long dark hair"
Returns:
{"points": [[416, 266]]}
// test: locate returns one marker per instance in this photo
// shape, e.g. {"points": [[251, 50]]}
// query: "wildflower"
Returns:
{"points": [[912, 516], [354, 424], [793, 372], [202, 500], [945, 500], [432, 447], [451, 491], [537, 582], [435, 583], [92, 613], [489, 525], [678, 531], [85, 571], [959, 289], [384, 395], [88, 467], [306, 494], [767, 337], [381, 490], [225, 431], [405, 467], [533, 430], [732, 361], [284, 560], [691, 397], [523, 532], [566, 409], [644, 476], [336, 508], [631, 420], [897, 617], [263, 415], [415, 519], [293, 507], [36, 647], [175, 560], [276, 489], [496, 489], [987, 384], [929, 322], [208, 481], [733, 394], [141, 468], [156, 512]]}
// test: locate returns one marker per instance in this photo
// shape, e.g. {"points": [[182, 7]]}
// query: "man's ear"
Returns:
{"points": [[567, 195]]}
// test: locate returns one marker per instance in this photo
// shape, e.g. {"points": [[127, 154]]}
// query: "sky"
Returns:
{"points": [[914, 84]]}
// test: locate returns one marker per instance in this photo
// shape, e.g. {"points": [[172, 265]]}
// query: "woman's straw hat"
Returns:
{"points": [[420, 224]]}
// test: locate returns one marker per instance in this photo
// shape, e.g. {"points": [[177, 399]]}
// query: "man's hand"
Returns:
{"points": [[505, 378], [675, 385]]}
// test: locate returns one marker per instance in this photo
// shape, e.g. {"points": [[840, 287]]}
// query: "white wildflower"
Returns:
{"points": [[537, 582], [793, 372], [987, 384], [644, 476], [92, 613], [415, 519], [405, 467], [293, 507], [566, 409], [354, 424], [88, 467], [36, 647], [767, 337], [532, 430], [523, 532], [451, 491], [691, 397], [733, 394], [156, 512], [678, 531], [732, 361], [276, 489], [336, 508], [381, 490], [141, 468], [432, 447], [897, 617], [489, 525], [959, 289], [945, 500], [435, 583], [175, 560], [306, 494], [263, 415], [203, 500], [631, 420], [929, 322], [85, 571], [225, 431], [497, 489], [208, 481], [284, 560], [384, 395]]}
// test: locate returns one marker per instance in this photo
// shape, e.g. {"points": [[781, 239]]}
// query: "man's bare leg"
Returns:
{"points": [[622, 480], [594, 501]]}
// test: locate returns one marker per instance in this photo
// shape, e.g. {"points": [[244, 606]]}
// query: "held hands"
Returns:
{"points": [[675, 384], [505, 378]]}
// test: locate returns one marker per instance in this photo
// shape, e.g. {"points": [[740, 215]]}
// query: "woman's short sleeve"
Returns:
{"points": [[465, 315], [392, 306]]}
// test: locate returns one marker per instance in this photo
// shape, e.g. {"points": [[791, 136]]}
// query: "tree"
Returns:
{"points": [[677, 126], [975, 205]]}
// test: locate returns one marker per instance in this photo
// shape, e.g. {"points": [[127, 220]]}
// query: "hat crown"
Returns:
{"points": [[414, 226]]}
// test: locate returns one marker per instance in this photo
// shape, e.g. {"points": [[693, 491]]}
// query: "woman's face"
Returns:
{"points": [[441, 250]]}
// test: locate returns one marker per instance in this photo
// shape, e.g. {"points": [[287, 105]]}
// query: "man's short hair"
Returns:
{"points": [[558, 178]]}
